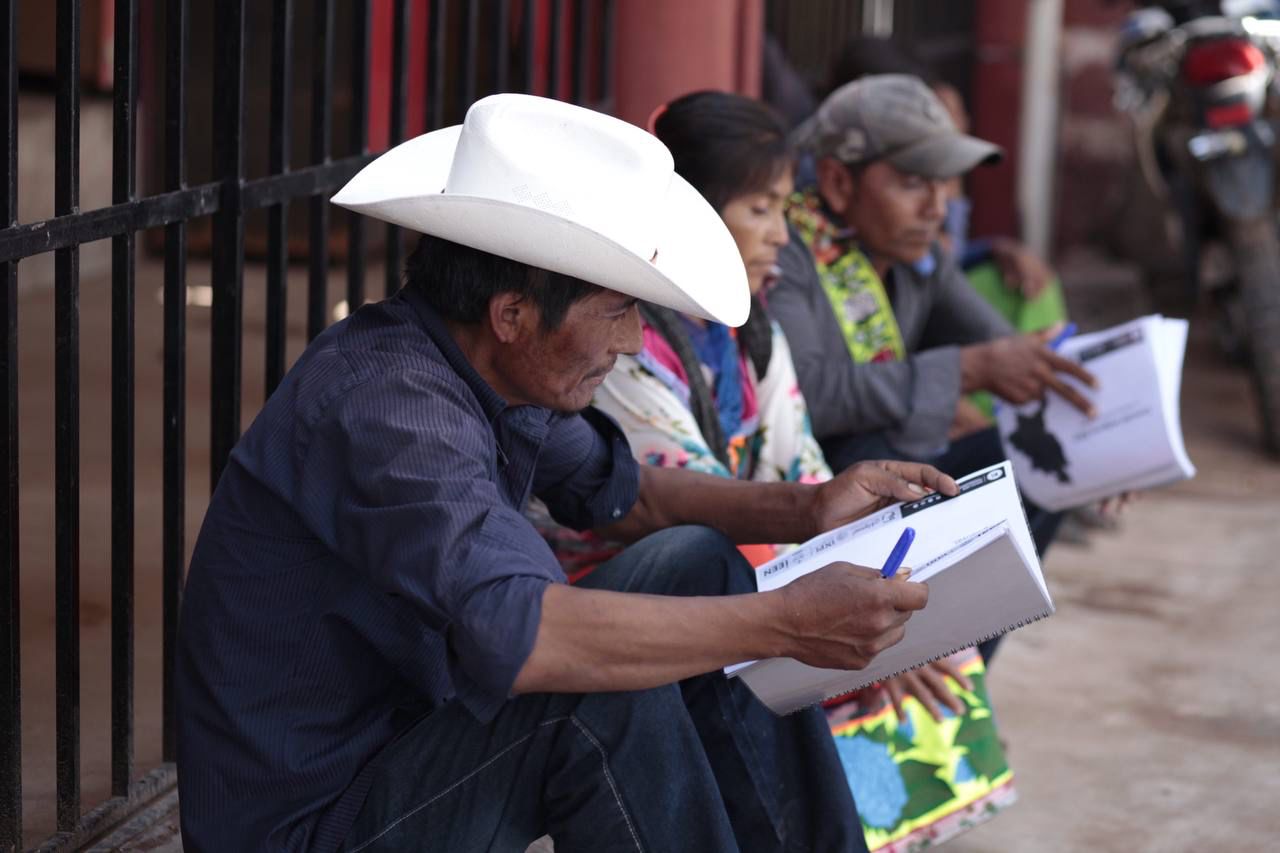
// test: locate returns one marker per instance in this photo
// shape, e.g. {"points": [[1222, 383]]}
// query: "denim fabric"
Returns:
{"points": [[700, 767]]}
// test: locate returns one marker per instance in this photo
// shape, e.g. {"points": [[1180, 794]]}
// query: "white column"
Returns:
{"points": [[1038, 133], [877, 17]]}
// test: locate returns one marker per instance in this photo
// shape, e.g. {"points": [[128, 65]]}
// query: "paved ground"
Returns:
{"points": [[1145, 716]]}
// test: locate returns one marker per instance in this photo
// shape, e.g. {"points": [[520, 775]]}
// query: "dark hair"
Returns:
{"points": [[459, 281], [725, 145], [863, 56]]}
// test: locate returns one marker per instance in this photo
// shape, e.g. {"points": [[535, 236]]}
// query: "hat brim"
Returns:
{"points": [[945, 156], [697, 269]]}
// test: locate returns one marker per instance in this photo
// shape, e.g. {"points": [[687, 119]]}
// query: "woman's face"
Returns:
{"points": [[759, 227]]}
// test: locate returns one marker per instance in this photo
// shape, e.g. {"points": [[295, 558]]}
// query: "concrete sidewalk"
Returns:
{"points": [[1144, 716]]}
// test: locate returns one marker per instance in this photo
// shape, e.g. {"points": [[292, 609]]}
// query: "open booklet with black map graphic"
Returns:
{"points": [[1065, 459], [976, 553]]}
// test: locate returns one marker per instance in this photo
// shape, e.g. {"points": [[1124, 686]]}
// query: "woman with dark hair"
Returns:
{"points": [[701, 395], [727, 401]]}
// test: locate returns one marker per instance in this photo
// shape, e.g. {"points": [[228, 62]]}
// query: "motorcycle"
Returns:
{"points": [[1199, 81]]}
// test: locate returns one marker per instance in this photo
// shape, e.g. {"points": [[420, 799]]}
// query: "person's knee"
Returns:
{"points": [[699, 561]]}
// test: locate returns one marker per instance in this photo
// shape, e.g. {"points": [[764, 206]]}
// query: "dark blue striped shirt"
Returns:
{"points": [[364, 558]]}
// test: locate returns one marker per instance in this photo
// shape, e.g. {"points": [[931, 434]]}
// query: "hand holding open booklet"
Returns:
{"points": [[974, 550], [1065, 459]]}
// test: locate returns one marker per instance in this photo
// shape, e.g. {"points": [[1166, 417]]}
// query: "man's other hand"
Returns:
{"points": [[1020, 368], [868, 486], [842, 616]]}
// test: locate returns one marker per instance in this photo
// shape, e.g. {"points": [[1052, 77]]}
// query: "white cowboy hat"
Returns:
{"points": [[566, 189]]}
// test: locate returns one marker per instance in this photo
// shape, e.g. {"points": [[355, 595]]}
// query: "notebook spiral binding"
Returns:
{"points": [[979, 641]]}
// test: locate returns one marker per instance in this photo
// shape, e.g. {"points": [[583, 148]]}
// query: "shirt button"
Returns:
{"points": [[617, 513]]}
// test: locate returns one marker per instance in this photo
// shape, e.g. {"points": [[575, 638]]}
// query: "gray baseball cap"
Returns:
{"points": [[896, 118]]}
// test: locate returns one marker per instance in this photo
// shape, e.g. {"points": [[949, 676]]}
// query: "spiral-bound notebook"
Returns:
{"points": [[974, 550]]}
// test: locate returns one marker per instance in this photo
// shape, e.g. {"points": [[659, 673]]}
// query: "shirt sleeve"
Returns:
{"points": [[960, 315], [396, 476], [586, 474], [912, 401]]}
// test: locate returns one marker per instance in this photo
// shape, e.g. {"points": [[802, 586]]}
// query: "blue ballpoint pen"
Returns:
{"points": [[899, 553], [1067, 331]]}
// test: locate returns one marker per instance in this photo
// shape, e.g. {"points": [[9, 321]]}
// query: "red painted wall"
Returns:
{"points": [[996, 110], [666, 48]]}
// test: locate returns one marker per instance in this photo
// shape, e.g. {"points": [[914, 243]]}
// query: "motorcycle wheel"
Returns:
{"points": [[1257, 249]]}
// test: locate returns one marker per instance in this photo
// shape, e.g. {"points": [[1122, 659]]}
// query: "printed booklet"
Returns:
{"points": [[1065, 459], [974, 550]]}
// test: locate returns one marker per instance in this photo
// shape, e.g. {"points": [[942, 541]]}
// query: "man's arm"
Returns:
{"points": [[1017, 368], [751, 513], [589, 640], [958, 314]]}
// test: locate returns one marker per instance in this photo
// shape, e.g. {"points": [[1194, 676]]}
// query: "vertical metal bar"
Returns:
{"points": [[175, 361], [399, 82], [553, 58], [278, 215], [606, 54], [66, 337], [228, 232], [10, 600], [581, 48], [527, 31], [321, 125], [123, 184], [359, 145], [470, 62], [501, 47], [438, 33]]}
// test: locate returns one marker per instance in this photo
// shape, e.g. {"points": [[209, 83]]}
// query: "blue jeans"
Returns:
{"points": [[699, 766]]}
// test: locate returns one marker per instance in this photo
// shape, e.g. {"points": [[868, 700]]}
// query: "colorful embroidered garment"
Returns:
{"points": [[857, 294], [648, 396], [920, 782]]}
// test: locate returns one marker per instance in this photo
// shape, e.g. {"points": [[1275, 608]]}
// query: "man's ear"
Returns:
{"points": [[511, 314], [835, 185]]}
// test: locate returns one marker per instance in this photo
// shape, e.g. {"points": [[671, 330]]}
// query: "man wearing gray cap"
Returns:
{"points": [[886, 332]]}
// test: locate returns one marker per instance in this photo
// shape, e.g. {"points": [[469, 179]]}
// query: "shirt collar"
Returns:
{"points": [[490, 400]]}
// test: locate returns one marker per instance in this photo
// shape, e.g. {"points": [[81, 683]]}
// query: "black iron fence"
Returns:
{"points": [[472, 47]]}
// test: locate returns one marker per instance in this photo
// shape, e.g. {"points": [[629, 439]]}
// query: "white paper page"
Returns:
{"points": [[1170, 347], [985, 587], [987, 497], [1170, 354], [1064, 459]]}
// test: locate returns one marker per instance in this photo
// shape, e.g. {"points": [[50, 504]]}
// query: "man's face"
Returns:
{"points": [[561, 369], [759, 226], [895, 215]]}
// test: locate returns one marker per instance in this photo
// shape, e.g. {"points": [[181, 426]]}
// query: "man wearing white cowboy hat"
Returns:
{"points": [[377, 650]]}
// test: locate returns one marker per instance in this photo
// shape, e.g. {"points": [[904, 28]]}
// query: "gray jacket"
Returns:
{"points": [[910, 403]]}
